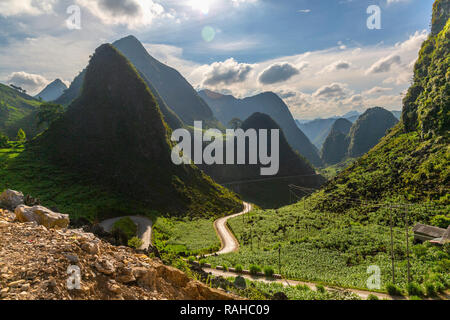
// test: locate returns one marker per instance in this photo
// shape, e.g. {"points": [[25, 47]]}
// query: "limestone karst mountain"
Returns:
{"points": [[52, 91], [367, 131], [178, 101], [227, 107], [336, 144], [114, 131], [266, 191]]}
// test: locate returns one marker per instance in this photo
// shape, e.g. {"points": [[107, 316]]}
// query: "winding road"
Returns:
{"points": [[144, 228], [227, 239]]}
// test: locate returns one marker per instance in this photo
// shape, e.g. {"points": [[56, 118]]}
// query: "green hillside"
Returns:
{"points": [[413, 161], [112, 140], [17, 110], [334, 235]]}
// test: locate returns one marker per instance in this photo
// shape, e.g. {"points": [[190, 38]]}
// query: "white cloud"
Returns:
{"points": [[304, 11], [237, 3], [26, 7], [384, 64], [226, 72], [376, 90], [278, 72], [30, 82], [395, 1], [331, 91], [132, 13], [338, 66], [48, 56], [320, 94]]}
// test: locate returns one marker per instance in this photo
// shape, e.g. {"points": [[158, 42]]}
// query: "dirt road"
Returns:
{"points": [[227, 239]]}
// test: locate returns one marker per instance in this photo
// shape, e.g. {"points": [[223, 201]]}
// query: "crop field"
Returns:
{"points": [[330, 248], [185, 236]]}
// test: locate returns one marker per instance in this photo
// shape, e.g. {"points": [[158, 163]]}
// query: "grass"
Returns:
{"points": [[185, 236], [262, 290], [333, 170], [70, 193]]}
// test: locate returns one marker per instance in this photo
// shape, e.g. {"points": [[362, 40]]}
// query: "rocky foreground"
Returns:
{"points": [[39, 262]]}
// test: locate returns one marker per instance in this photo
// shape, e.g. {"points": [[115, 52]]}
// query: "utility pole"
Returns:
{"points": [[392, 245], [407, 242], [279, 258]]}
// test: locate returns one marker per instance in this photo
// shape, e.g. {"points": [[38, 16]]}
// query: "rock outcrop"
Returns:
{"points": [[41, 263], [42, 216], [10, 199]]}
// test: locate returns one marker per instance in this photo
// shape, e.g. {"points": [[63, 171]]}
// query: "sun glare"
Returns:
{"points": [[201, 5]]}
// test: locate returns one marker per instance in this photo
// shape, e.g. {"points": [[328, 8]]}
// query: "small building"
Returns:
{"points": [[423, 232]]}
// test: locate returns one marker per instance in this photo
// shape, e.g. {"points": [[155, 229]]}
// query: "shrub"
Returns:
{"points": [[191, 259], [240, 282], [393, 290], [320, 288], [268, 271], [127, 226], [238, 268], [3, 141], [225, 267], [135, 242], [430, 289], [372, 297], [414, 289], [254, 269], [415, 298], [439, 287], [440, 221], [202, 262], [21, 136]]}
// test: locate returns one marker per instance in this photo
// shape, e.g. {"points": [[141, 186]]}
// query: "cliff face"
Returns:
{"points": [[411, 162], [34, 262], [426, 104]]}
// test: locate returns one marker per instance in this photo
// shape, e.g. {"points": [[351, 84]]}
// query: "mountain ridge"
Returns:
{"points": [[227, 107]]}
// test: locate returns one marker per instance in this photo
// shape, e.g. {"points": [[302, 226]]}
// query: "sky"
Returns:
{"points": [[319, 56]]}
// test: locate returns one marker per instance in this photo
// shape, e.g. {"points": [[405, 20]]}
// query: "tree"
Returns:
{"points": [[235, 123], [21, 136], [49, 112], [3, 140]]}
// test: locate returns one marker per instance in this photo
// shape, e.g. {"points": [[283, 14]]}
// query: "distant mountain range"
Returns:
{"points": [[353, 140], [317, 130], [52, 91], [227, 107]]}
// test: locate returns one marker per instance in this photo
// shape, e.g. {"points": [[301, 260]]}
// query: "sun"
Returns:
{"points": [[201, 5]]}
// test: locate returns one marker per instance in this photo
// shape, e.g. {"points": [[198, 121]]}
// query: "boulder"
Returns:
{"points": [[10, 199], [42, 216]]}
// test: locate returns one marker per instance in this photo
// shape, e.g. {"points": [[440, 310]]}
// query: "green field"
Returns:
{"points": [[330, 248], [185, 236]]}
